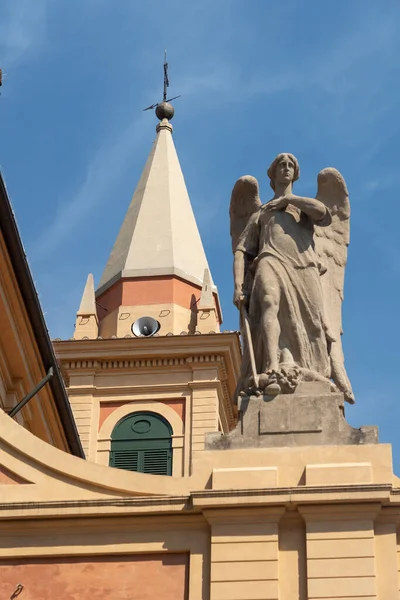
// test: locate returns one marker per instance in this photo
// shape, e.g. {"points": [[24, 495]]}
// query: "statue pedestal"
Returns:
{"points": [[312, 416]]}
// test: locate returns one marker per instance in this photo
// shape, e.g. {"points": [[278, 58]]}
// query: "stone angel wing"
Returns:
{"points": [[331, 244], [245, 200]]}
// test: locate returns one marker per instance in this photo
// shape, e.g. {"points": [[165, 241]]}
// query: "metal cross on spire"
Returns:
{"points": [[166, 86], [166, 80]]}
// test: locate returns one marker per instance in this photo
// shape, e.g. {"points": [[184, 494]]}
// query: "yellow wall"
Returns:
{"points": [[21, 366], [150, 374], [253, 526]]}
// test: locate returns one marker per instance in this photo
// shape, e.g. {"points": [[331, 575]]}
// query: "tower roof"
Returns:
{"points": [[88, 302], [159, 235]]}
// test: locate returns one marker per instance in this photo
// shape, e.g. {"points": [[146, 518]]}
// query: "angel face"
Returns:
{"points": [[284, 171]]}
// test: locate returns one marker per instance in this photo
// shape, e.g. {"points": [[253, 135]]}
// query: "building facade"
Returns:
{"points": [[154, 510], [26, 353]]}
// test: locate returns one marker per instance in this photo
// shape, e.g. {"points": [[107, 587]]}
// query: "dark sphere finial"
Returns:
{"points": [[165, 110]]}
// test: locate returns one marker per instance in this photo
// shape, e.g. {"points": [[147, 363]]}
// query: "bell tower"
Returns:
{"points": [[148, 372], [157, 268]]}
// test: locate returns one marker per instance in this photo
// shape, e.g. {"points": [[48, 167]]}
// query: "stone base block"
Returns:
{"points": [[244, 479], [313, 416], [338, 473]]}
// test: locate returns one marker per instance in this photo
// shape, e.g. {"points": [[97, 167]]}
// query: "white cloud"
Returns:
{"points": [[335, 71], [23, 27], [106, 168]]}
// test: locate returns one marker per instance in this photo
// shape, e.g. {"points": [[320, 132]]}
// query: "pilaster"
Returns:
{"points": [[341, 551], [204, 405], [386, 526], [244, 553], [292, 557], [85, 409]]}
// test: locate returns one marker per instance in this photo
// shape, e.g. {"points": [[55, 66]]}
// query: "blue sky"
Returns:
{"points": [[318, 79]]}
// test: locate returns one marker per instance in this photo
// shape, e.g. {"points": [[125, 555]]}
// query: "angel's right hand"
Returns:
{"points": [[238, 298], [277, 204]]}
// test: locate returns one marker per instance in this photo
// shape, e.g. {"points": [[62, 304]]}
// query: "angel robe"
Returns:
{"points": [[281, 246]]}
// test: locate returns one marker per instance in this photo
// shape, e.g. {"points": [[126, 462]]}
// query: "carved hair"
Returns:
{"points": [[274, 164]]}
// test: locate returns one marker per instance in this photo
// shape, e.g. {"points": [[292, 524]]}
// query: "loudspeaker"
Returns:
{"points": [[145, 327]]}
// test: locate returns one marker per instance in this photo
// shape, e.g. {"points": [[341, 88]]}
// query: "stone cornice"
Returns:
{"points": [[172, 353], [95, 365], [293, 495], [154, 352], [106, 391], [108, 507], [178, 344], [342, 511], [316, 502]]}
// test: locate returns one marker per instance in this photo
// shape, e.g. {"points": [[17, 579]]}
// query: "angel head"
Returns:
{"points": [[284, 168]]}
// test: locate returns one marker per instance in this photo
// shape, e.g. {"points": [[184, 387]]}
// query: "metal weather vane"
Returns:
{"points": [[166, 86]]}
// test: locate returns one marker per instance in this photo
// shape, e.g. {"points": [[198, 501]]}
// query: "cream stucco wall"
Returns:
{"points": [[274, 523], [249, 537], [147, 374], [21, 364]]}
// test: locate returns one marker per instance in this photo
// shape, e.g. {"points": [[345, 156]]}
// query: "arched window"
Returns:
{"points": [[142, 442]]}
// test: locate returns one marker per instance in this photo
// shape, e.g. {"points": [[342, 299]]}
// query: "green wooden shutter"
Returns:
{"points": [[142, 442], [125, 459], [157, 461]]}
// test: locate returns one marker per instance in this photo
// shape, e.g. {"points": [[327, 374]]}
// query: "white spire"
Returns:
{"points": [[159, 235], [88, 302], [87, 325], [206, 299]]}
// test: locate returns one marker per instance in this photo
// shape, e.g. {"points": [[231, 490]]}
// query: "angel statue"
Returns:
{"points": [[289, 261]]}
